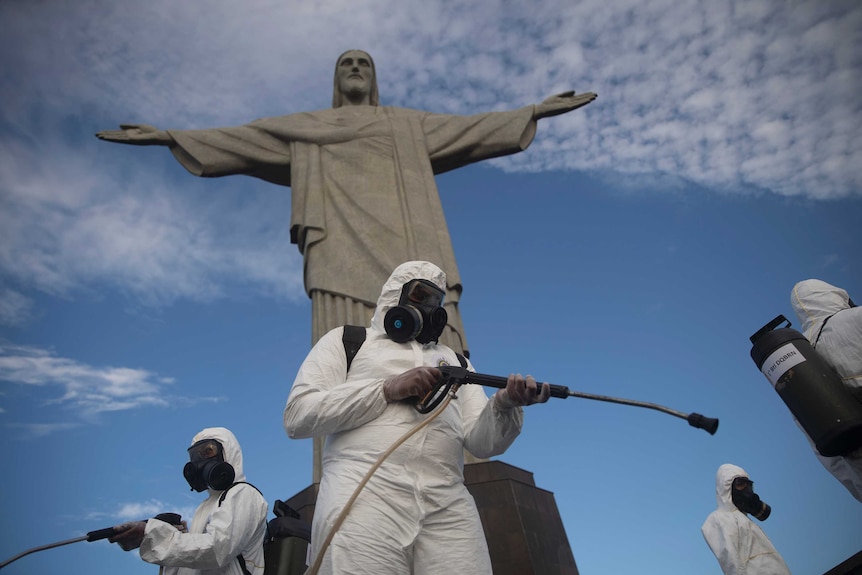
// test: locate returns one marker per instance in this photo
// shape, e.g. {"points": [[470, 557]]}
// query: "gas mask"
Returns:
{"points": [[746, 500], [207, 468], [419, 314]]}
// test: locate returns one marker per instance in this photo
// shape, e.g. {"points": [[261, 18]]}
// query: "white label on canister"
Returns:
{"points": [[779, 361]]}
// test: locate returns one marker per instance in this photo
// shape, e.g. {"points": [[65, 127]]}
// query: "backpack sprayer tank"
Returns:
{"points": [[810, 387]]}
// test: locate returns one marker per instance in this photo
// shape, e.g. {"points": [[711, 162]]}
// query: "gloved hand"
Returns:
{"points": [[129, 535], [520, 391], [416, 382]]}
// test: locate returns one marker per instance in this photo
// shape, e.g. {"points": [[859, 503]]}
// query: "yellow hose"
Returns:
{"points": [[343, 515]]}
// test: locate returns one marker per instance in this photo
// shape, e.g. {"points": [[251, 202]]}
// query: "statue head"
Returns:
{"points": [[355, 80]]}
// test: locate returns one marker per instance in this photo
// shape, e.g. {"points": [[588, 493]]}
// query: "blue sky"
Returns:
{"points": [[630, 251]]}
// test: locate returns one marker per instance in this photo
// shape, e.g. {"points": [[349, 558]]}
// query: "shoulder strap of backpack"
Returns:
{"points": [[462, 360], [224, 493], [353, 338], [819, 333], [241, 560]]}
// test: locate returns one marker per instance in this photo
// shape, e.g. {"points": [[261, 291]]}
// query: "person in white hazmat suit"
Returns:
{"points": [[228, 527], [833, 325], [741, 547], [414, 516]]}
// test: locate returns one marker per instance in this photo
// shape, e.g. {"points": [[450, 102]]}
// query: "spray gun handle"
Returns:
{"points": [[172, 518], [461, 375], [100, 534]]}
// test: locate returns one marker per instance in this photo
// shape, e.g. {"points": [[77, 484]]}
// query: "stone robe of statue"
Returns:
{"points": [[362, 178], [363, 198]]}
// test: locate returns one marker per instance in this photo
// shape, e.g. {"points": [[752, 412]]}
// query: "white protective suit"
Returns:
{"points": [[217, 534], [840, 344], [741, 547], [415, 516]]}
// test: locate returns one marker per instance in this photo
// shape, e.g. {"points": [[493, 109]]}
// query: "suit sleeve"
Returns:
{"points": [[231, 528], [488, 430], [322, 401]]}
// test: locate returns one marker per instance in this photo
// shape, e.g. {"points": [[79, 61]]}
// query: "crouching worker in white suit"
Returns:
{"points": [[741, 547], [226, 537], [414, 516]]}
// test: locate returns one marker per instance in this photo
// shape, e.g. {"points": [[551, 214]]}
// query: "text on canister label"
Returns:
{"points": [[779, 361]]}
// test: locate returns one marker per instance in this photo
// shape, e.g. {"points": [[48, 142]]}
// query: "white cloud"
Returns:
{"points": [[140, 510], [90, 390], [68, 226], [718, 69], [135, 511], [36, 430]]}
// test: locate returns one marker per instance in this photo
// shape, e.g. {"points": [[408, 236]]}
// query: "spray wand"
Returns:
{"points": [[172, 518], [455, 376]]}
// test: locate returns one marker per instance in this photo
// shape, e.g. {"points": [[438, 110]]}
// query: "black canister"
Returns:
{"points": [[810, 387]]}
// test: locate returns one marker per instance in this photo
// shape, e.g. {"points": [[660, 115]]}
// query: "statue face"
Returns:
{"points": [[355, 75]]}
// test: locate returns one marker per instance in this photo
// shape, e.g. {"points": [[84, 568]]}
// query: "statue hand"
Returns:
{"points": [[136, 134], [562, 103]]}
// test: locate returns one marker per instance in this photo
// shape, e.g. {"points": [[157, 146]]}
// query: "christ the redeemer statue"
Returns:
{"points": [[364, 198]]}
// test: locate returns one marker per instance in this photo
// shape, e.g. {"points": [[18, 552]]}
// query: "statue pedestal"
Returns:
{"points": [[851, 566], [522, 525]]}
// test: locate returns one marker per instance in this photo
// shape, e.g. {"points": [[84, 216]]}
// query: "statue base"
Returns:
{"points": [[522, 524], [851, 566]]}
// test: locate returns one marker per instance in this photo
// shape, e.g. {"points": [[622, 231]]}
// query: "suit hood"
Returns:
{"points": [[391, 292], [814, 301], [232, 451], [724, 482]]}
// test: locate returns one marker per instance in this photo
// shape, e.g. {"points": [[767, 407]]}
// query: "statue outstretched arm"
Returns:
{"points": [[562, 103], [136, 135]]}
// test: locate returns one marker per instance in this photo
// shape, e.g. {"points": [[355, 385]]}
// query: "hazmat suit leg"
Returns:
{"points": [[376, 536], [452, 541]]}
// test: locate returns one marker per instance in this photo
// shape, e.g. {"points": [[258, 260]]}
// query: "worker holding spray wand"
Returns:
{"points": [[228, 527], [368, 392], [415, 515]]}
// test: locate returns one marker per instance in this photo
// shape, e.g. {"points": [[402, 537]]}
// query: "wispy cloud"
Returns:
{"points": [[723, 94], [15, 307], [90, 390], [36, 430], [135, 511]]}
